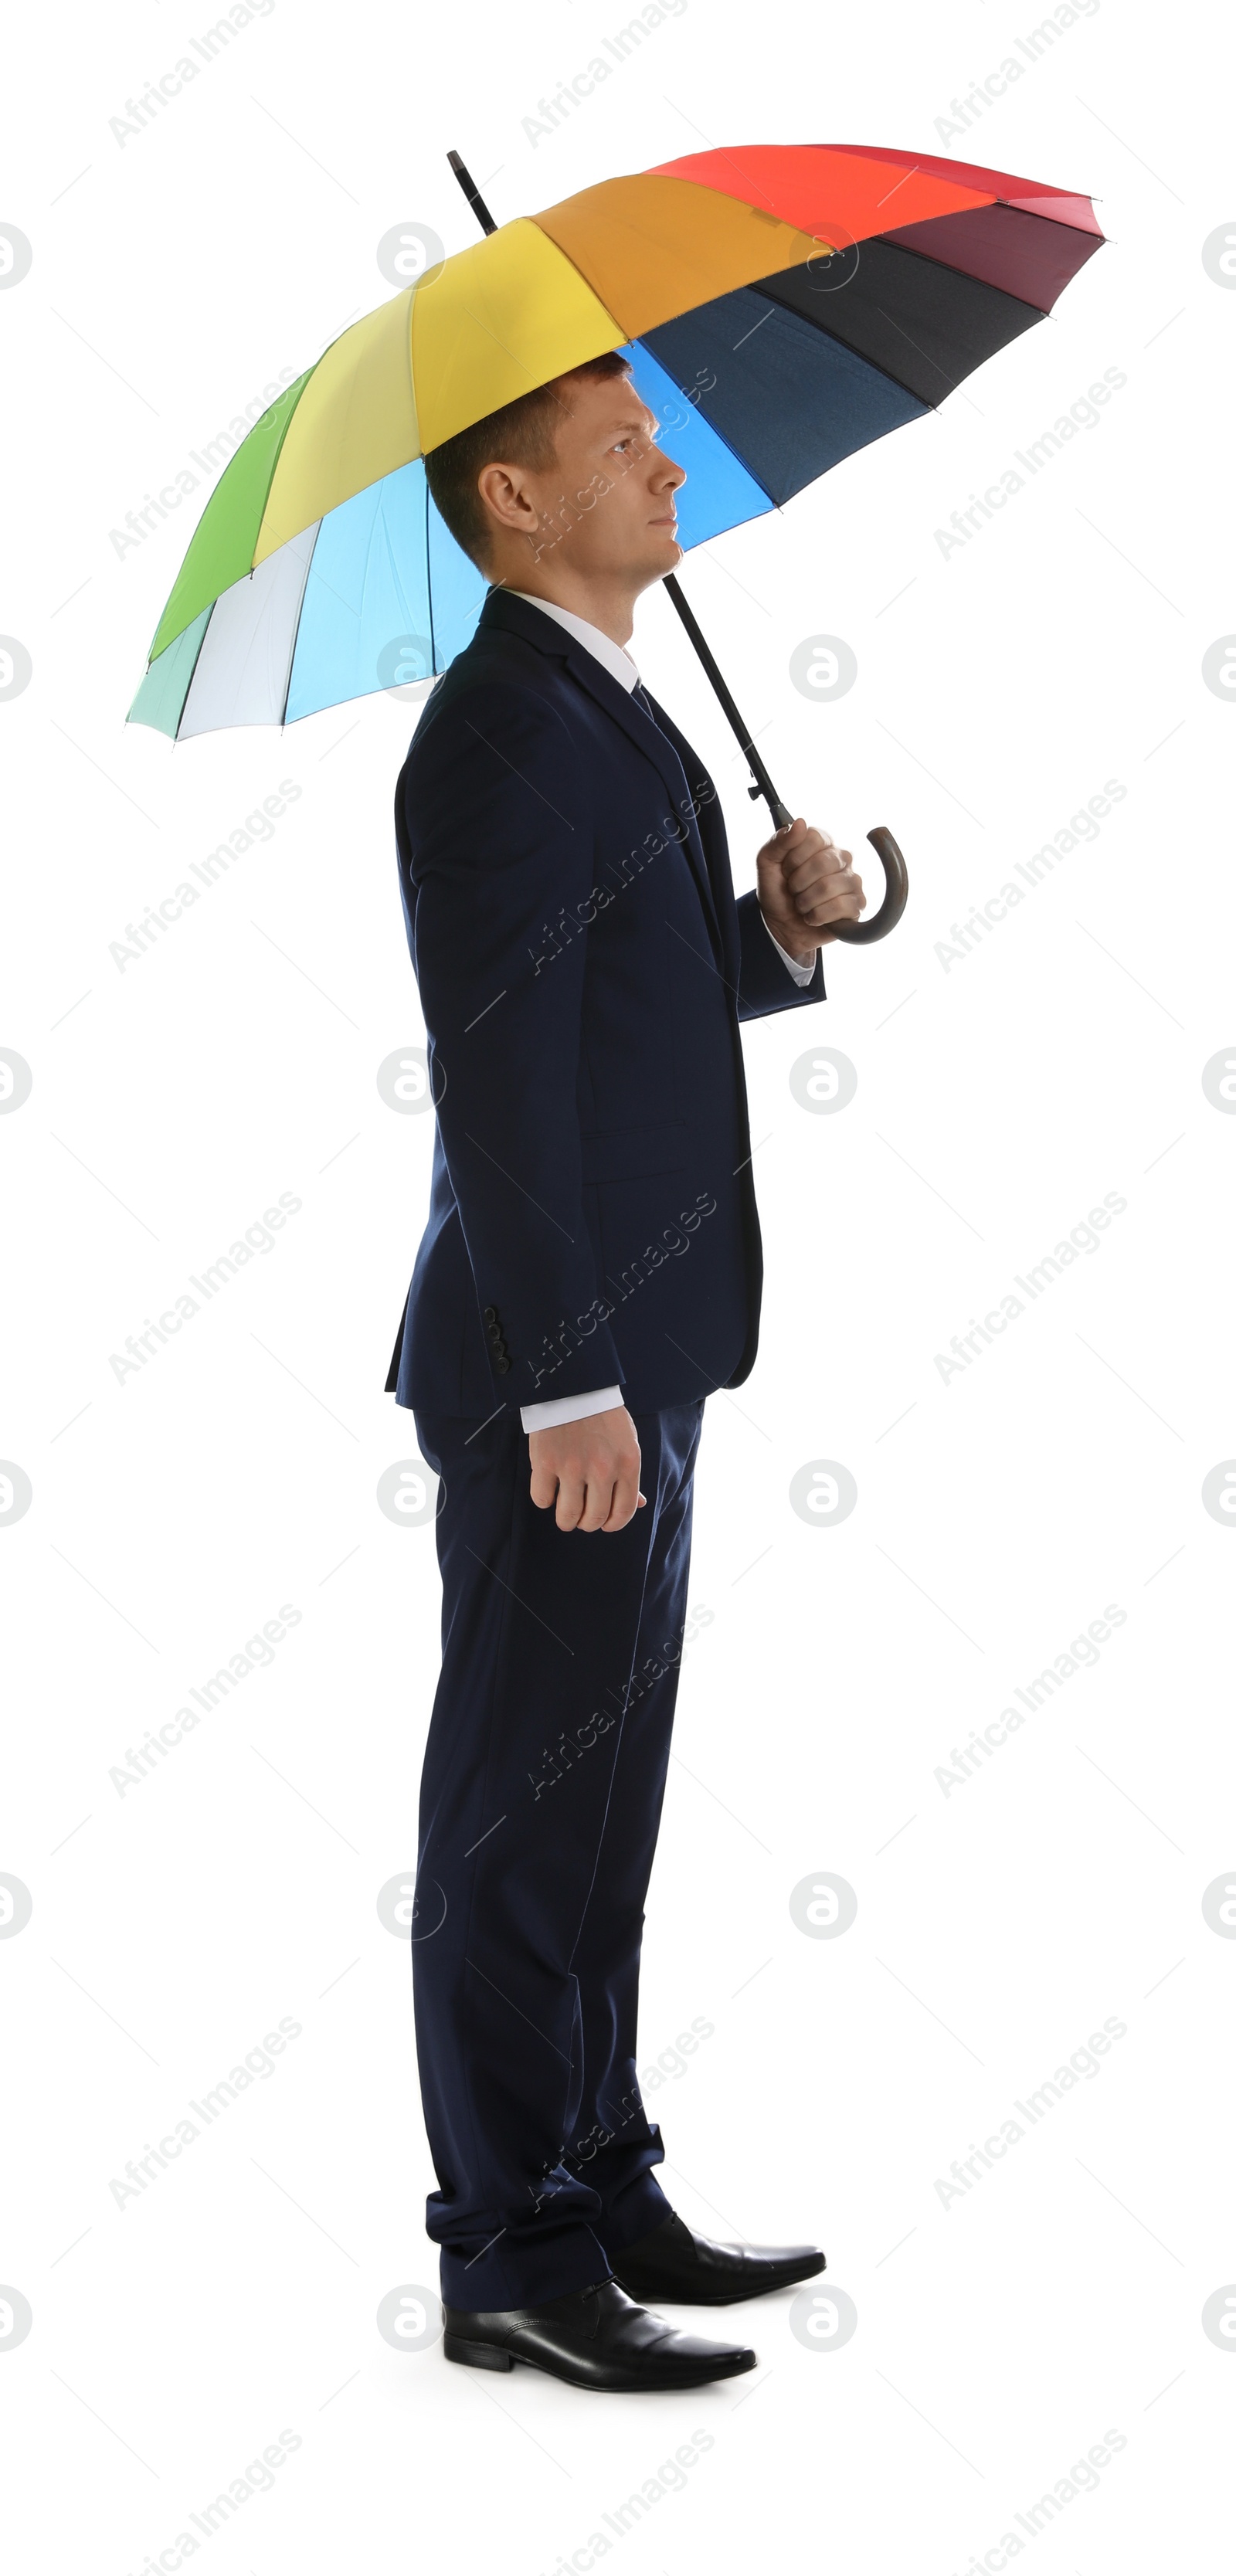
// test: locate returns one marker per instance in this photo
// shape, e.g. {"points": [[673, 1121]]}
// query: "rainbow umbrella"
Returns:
{"points": [[781, 305]]}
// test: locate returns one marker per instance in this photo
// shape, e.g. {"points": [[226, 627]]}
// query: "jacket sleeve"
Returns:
{"points": [[499, 889], [764, 983]]}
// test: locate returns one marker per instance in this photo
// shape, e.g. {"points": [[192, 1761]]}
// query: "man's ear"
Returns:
{"points": [[501, 494]]}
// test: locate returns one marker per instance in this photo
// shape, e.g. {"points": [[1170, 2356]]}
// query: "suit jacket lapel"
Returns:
{"points": [[503, 610], [647, 736]]}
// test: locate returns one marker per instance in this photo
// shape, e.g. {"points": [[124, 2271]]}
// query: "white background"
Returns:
{"points": [[999, 1098]]}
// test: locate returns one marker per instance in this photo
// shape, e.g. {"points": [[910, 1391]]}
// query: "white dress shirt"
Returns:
{"points": [[618, 662]]}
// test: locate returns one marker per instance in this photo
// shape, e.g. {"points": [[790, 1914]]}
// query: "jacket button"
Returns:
{"points": [[491, 1314], [502, 1367]]}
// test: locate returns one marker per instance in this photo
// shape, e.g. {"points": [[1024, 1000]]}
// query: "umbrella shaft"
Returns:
{"points": [[763, 783]]}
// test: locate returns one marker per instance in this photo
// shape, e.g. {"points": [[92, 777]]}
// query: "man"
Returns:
{"points": [[589, 1274]]}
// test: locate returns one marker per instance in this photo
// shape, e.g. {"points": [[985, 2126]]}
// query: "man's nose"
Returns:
{"points": [[668, 470]]}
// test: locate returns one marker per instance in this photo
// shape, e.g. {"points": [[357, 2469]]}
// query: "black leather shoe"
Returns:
{"points": [[595, 2338], [674, 2264]]}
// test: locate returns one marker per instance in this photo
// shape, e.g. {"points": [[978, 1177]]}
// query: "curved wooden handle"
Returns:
{"points": [[896, 880], [859, 934]]}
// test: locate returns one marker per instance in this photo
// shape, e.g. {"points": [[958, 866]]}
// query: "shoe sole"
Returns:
{"points": [[493, 2356], [477, 2356]]}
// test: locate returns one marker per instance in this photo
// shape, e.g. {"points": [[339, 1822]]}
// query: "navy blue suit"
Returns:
{"points": [[583, 966]]}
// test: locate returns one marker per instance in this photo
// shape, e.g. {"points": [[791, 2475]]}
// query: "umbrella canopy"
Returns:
{"points": [[780, 306]]}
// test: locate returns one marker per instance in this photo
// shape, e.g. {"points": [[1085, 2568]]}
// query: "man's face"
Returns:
{"points": [[608, 504]]}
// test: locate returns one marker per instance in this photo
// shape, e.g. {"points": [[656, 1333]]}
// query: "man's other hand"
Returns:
{"points": [[805, 884], [590, 1468]]}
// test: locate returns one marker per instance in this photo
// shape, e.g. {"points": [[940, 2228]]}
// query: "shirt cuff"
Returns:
{"points": [[801, 970], [568, 1408]]}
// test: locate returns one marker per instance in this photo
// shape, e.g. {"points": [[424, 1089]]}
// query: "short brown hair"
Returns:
{"points": [[521, 433]]}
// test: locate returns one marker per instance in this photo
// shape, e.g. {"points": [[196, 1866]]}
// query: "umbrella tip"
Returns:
{"points": [[475, 200]]}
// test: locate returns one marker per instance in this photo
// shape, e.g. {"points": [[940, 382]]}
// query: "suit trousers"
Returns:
{"points": [[541, 1797]]}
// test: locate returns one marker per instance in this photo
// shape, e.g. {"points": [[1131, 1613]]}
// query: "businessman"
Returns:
{"points": [[590, 1273]]}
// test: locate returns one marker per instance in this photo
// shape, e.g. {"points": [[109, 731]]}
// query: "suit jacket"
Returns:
{"points": [[583, 966]]}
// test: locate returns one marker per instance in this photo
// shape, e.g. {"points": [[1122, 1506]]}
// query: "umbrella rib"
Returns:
{"points": [[936, 259], [392, 562], [954, 383], [835, 336], [1038, 312], [433, 641], [193, 673], [815, 324], [718, 434], [304, 593]]}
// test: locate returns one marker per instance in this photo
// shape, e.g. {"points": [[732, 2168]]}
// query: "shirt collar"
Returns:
{"points": [[618, 663]]}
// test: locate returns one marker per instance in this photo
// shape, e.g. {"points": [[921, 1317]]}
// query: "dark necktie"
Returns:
{"points": [[640, 694]]}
